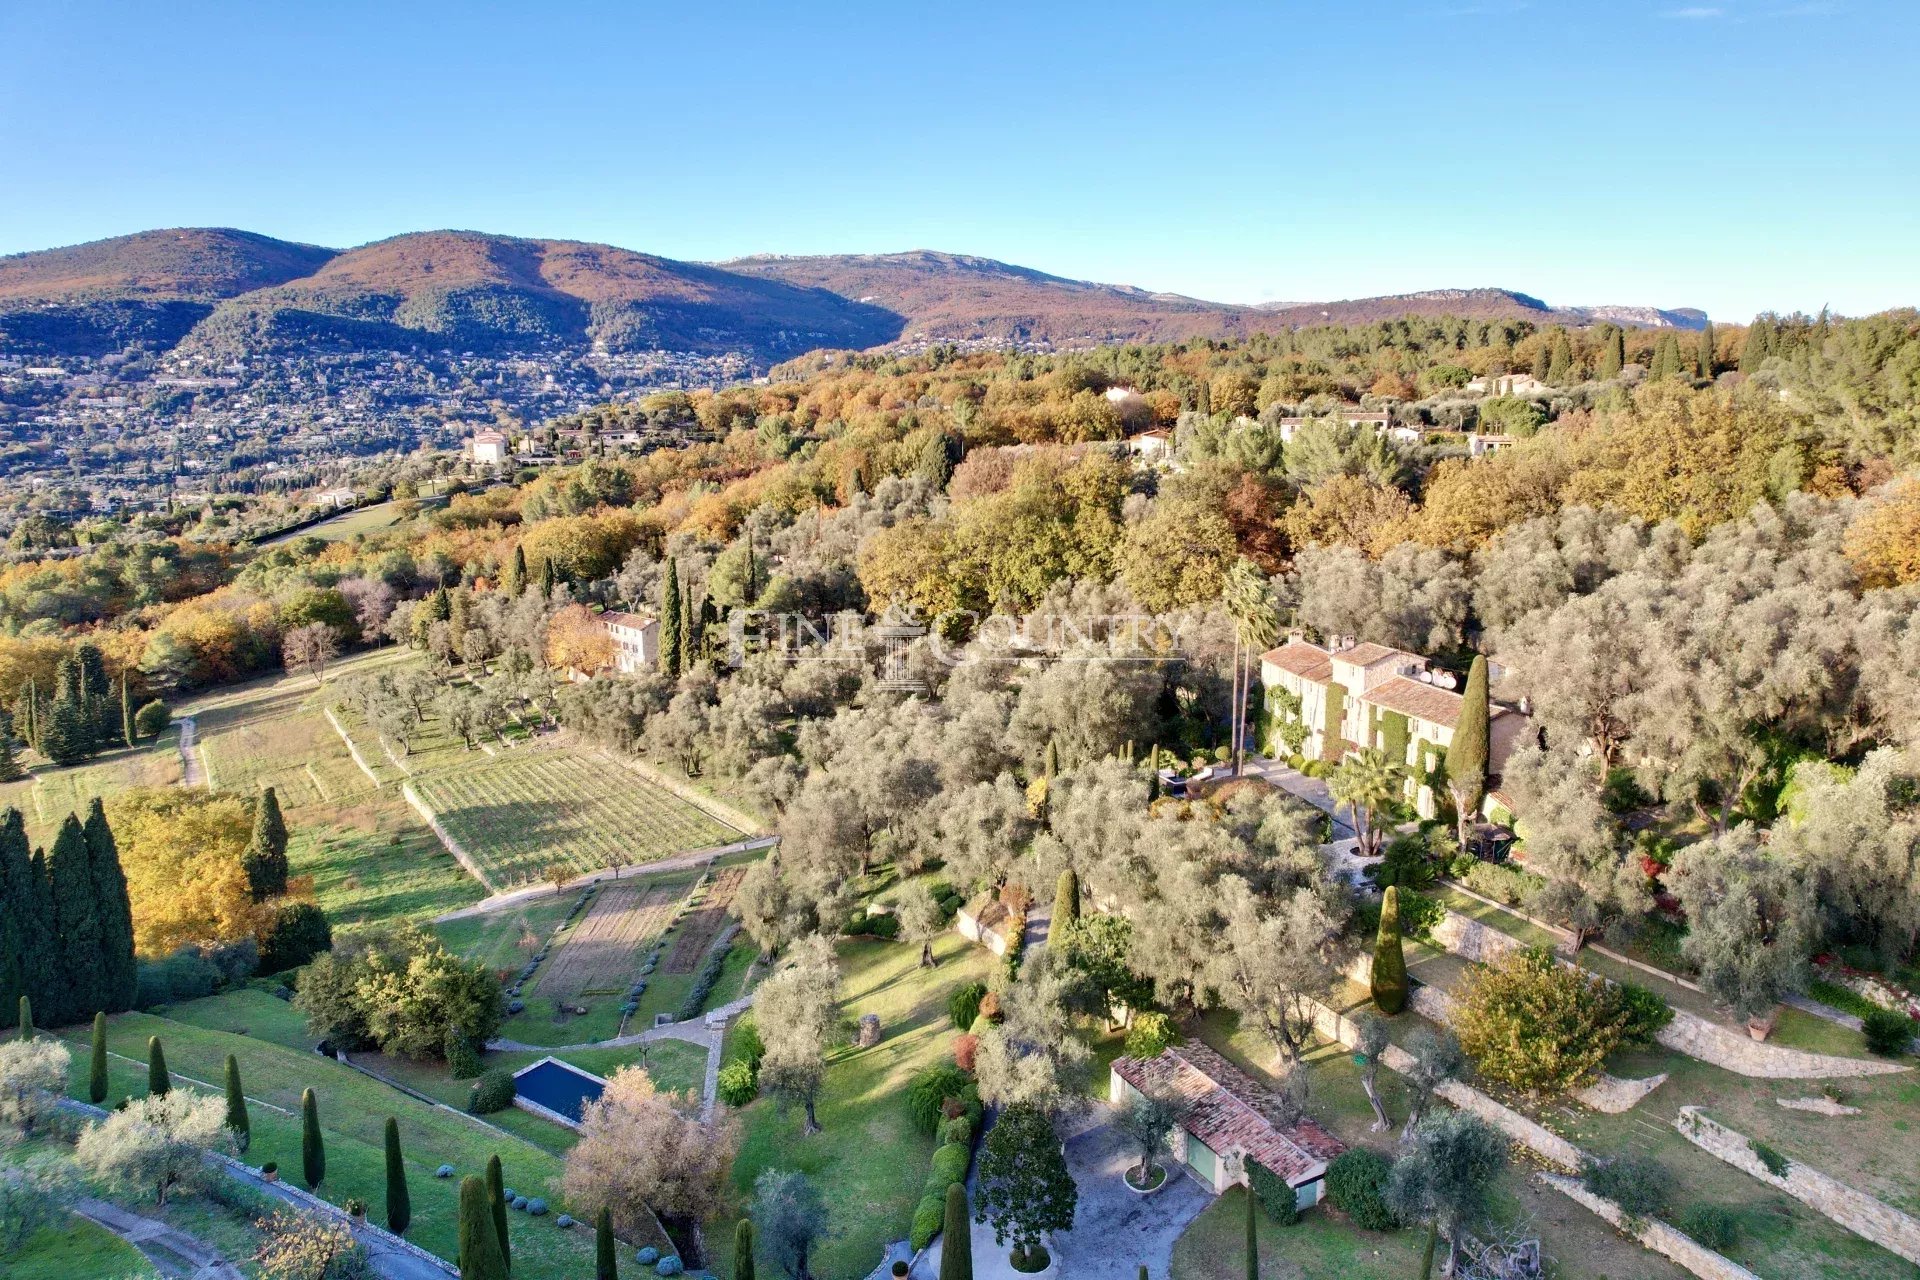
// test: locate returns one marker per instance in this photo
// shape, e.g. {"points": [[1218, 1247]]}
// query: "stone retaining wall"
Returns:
{"points": [[1855, 1210], [1676, 1245]]}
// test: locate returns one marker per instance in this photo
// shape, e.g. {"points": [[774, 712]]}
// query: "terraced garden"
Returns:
{"points": [[519, 812], [600, 954]]}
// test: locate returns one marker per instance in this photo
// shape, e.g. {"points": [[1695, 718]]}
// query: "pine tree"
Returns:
{"points": [[119, 972], [237, 1122], [1066, 902], [497, 1199], [25, 1019], [64, 738], [479, 1256], [97, 1072], [670, 621], [606, 1265], [1253, 1241], [126, 713], [956, 1245], [399, 1204], [40, 944], [266, 857], [1706, 350], [1467, 757], [313, 1148], [31, 710], [1389, 981], [159, 1079], [76, 919], [10, 767]]}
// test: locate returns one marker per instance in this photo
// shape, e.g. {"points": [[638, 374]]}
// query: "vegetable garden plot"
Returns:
{"points": [[601, 954], [703, 924], [519, 812]]}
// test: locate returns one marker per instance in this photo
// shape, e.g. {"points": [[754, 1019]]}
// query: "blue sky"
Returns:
{"points": [[1735, 154]]}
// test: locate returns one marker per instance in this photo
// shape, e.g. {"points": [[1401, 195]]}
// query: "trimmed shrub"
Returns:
{"points": [[1389, 981], [1646, 1012], [963, 1006], [1280, 1201], [1714, 1226], [536, 1206], [1508, 885], [1150, 1035], [1357, 1185], [739, 1083], [493, 1091], [1639, 1184], [647, 1256], [747, 1043], [928, 1217], [958, 1129], [1887, 1031], [669, 1266], [930, 1089], [950, 1161], [297, 932], [966, 1049], [152, 719]]}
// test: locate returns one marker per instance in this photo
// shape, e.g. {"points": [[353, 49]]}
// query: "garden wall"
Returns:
{"points": [[1855, 1210], [1651, 1232]]}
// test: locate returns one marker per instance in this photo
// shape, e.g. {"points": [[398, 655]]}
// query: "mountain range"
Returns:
{"points": [[223, 292]]}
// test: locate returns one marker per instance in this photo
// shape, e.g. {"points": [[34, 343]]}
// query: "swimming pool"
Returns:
{"points": [[556, 1090]]}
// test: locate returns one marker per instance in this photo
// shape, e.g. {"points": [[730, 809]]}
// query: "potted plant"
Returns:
{"points": [[270, 1172], [357, 1208], [1147, 1121]]}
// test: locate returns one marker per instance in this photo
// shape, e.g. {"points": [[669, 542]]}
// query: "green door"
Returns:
{"points": [[1201, 1160]]}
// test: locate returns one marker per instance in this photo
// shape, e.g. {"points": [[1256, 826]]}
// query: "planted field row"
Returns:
{"points": [[601, 953], [519, 813], [704, 923]]}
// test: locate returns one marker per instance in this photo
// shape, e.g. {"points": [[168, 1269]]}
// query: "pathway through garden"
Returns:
{"points": [[174, 1252], [192, 774]]}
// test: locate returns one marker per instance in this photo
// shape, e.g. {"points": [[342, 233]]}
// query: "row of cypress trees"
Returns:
{"points": [[66, 924], [85, 713]]}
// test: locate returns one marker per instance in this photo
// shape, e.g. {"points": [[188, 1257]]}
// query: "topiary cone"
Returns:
{"points": [[1389, 982]]}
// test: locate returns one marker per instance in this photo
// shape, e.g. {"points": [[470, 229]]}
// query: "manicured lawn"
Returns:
{"points": [[74, 1250], [353, 1110], [507, 938], [49, 793], [1318, 1247], [868, 1161]]}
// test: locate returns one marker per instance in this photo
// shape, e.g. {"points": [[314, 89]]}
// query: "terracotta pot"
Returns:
{"points": [[1762, 1027]]}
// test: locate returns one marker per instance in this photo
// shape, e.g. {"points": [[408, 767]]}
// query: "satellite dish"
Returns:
{"points": [[1447, 680], [1426, 677]]}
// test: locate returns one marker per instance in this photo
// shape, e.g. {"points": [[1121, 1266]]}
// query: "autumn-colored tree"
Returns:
{"points": [[578, 641], [1883, 542], [183, 852], [642, 1152], [1347, 510]]}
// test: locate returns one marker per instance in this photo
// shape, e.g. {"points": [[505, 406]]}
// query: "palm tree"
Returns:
{"points": [[1366, 782], [1248, 598]]}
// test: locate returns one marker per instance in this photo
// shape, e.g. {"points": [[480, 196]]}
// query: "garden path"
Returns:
{"points": [[173, 1251], [192, 773]]}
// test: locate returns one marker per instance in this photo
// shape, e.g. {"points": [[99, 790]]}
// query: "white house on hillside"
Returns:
{"points": [[636, 640], [488, 446]]}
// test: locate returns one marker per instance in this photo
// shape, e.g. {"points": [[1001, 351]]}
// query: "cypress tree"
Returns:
{"points": [[670, 621], [64, 738], [313, 1149], [237, 1122], [119, 973], [1613, 352], [546, 577], [956, 1247], [606, 1265], [25, 1023], [1467, 756], [497, 1198], [30, 712], [1753, 353], [266, 857], [1253, 1241], [1066, 901], [1541, 359], [159, 1080], [479, 1247], [1706, 350], [76, 919], [1143, 1271], [399, 1204], [10, 767], [126, 713], [689, 631], [1389, 981], [514, 581], [1560, 360], [97, 1075], [45, 982]]}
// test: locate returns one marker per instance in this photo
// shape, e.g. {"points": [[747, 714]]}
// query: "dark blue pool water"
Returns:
{"points": [[558, 1087]]}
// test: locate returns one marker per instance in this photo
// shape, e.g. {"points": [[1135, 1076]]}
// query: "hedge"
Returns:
{"points": [[696, 1000], [1281, 1201], [1357, 1186], [493, 1091]]}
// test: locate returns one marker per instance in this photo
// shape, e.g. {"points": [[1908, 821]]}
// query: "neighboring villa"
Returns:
{"points": [[1351, 414], [1355, 696], [1152, 447], [636, 640], [1224, 1121], [488, 447]]}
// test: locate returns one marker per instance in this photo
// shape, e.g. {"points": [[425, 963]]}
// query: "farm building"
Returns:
{"points": [[1225, 1120]]}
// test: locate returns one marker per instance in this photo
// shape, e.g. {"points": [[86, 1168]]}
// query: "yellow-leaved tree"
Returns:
{"points": [[181, 850]]}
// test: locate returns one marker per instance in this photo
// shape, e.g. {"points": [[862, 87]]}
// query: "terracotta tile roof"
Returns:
{"points": [[617, 618], [1308, 661], [1420, 701], [1367, 653], [1222, 1106]]}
